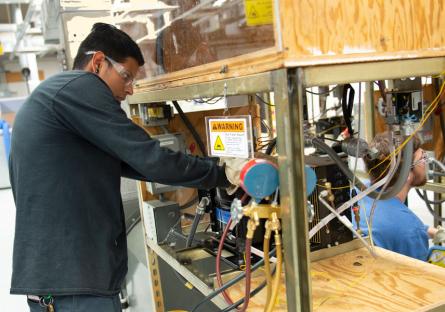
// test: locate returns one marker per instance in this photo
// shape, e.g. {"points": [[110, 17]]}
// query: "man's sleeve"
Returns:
{"points": [[86, 107]]}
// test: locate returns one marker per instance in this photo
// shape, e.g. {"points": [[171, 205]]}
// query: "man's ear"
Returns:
{"points": [[96, 61]]}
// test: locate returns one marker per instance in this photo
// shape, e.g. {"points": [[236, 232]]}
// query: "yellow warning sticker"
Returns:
{"points": [[229, 136], [1, 48], [258, 12], [227, 126], [219, 146]]}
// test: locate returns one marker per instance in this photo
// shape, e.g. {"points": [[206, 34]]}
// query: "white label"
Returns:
{"points": [[228, 137], [150, 222]]}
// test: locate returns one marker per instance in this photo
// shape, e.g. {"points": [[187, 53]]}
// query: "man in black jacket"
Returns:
{"points": [[71, 145]]}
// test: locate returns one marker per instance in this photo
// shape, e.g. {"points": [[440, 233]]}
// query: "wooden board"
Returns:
{"points": [[331, 31], [355, 281], [315, 32], [240, 66]]}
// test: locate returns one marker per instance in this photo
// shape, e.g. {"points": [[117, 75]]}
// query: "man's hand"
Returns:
{"points": [[439, 237], [233, 168]]}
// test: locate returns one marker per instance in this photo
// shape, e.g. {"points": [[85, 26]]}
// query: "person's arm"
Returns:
{"points": [[130, 173], [432, 231], [437, 234], [87, 107]]}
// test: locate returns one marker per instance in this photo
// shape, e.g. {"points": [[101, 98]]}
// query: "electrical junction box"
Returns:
{"points": [[175, 142], [160, 217]]}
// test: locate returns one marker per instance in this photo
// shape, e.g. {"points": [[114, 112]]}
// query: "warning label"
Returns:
{"points": [[258, 12], [229, 136], [228, 126]]}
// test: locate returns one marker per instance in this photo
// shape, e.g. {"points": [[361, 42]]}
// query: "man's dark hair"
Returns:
{"points": [[111, 41], [382, 143]]}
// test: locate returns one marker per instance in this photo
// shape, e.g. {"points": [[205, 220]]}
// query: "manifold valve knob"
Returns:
{"points": [[310, 211], [236, 210]]}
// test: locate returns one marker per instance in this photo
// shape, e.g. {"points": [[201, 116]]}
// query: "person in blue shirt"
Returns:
{"points": [[395, 227]]}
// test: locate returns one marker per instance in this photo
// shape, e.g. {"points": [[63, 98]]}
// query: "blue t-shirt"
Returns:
{"points": [[395, 227]]}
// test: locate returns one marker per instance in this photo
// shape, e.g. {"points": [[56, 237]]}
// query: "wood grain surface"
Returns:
{"points": [[315, 32], [343, 27], [355, 281]]}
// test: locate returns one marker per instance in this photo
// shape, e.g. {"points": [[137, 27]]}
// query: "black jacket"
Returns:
{"points": [[71, 143]]}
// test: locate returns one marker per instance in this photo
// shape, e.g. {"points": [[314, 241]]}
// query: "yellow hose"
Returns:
{"points": [[277, 277], [267, 263]]}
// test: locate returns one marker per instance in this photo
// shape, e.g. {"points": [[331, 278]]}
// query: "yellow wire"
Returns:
{"points": [[440, 75], [243, 266], [428, 113], [335, 188], [328, 129]]}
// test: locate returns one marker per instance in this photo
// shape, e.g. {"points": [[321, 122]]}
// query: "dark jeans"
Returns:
{"points": [[81, 303]]}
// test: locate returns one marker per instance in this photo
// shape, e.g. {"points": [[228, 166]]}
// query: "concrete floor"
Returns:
{"points": [[7, 221]]}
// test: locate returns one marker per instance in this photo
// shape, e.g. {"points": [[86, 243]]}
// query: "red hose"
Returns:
{"points": [[248, 276], [218, 262]]}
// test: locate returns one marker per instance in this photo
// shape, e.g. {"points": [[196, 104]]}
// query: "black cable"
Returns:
{"points": [[428, 205], [426, 199], [263, 101], [189, 203], [271, 146], [329, 139], [346, 104], [322, 93], [210, 101], [252, 293], [192, 129], [381, 84], [230, 283], [194, 227]]}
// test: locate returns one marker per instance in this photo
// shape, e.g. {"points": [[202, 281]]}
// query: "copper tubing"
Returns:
{"points": [[218, 261], [277, 277], [248, 276]]}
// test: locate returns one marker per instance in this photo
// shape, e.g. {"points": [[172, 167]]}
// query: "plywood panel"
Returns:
{"points": [[338, 28], [318, 32], [240, 66], [355, 281]]}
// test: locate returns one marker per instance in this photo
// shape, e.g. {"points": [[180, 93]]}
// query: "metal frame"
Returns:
{"points": [[234, 86], [288, 87], [189, 276]]}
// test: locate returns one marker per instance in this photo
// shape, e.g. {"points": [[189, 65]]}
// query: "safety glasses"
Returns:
{"points": [[125, 75], [422, 160]]}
